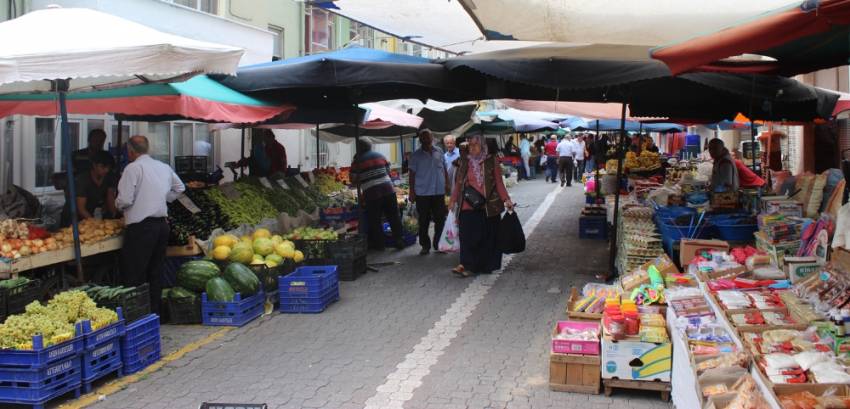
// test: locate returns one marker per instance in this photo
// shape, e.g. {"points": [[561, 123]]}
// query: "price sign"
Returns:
{"points": [[312, 177], [282, 183], [265, 182], [301, 180], [188, 204], [230, 192]]}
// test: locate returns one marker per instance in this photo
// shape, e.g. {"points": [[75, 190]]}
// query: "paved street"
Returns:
{"points": [[411, 335]]}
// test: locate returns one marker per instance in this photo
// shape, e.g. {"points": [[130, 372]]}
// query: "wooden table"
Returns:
{"points": [[49, 258]]}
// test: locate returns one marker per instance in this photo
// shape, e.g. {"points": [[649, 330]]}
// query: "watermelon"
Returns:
{"points": [[242, 279], [193, 275], [219, 290]]}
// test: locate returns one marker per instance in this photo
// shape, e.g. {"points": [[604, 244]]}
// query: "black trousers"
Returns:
{"points": [[431, 208], [565, 165], [479, 252], [143, 256], [376, 210]]}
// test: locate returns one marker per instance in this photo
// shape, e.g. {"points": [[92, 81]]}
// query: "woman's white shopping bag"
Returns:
{"points": [[450, 239]]}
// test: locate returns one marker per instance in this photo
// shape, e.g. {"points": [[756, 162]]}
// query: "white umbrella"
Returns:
{"points": [[59, 49]]}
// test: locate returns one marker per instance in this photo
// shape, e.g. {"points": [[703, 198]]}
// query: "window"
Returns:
{"points": [[92, 124], [159, 137], [324, 153], [203, 145], [49, 159], [361, 34], [117, 140], [181, 143], [278, 43], [318, 30], [207, 6]]}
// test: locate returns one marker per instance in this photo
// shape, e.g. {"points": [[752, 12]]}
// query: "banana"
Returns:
{"points": [[660, 352], [652, 369]]}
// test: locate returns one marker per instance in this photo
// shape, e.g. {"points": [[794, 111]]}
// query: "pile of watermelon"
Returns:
{"points": [[197, 276]]}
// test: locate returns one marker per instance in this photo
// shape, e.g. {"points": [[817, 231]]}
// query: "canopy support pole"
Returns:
{"points": [[598, 184], [242, 154], [753, 143], [318, 162], [120, 137], [61, 90], [612, 260]]}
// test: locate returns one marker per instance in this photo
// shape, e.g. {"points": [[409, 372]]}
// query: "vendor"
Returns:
{"points": [[724, 173], [268, 156], [83, 157], [96, 189], [746, 177]]}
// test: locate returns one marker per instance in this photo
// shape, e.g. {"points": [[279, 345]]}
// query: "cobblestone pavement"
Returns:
{"points": [[341, 358]]}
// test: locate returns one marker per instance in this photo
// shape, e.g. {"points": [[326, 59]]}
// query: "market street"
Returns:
{"points": [[357, 351]]}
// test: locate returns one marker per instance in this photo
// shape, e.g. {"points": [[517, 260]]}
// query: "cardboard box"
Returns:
{"points": [[785, 207], [632, 359], [777, 251], [799, 268], [574, 373], [690, 248]]}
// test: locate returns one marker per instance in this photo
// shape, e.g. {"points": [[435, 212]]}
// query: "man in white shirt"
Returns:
{"points": [[566, 151], [579, 157], [143, 192]]}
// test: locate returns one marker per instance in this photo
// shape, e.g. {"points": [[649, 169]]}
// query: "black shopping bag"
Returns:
{"points": [[511, 237]]}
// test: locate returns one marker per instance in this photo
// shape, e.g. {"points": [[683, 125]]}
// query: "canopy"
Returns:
{"points": [[199, 98], [800, 38], [445, 24], [616, 73], [572, 109], [523, 121], [351, 75], [608, 125], [95, 48]]}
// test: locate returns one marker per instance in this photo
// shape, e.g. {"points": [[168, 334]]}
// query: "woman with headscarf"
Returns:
{"points": [[481, 196]]}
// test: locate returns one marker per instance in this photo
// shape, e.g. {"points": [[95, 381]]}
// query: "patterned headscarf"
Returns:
{"points": [[476, 161]]}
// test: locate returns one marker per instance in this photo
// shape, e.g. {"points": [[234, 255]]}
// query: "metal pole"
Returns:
{"points": [[120, 136], [242, 154], [62, 89], [753, 143], [612, 268], [318, 163], [598, 184]]}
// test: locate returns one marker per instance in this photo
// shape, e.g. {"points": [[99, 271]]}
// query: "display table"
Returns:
{"points": [[10, 269]]}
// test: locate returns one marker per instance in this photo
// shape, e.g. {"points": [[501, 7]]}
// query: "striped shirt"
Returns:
{"points": [[371, 172]]}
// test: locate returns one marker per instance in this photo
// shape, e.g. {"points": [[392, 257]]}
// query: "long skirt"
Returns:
{"points": [[478, 250]]}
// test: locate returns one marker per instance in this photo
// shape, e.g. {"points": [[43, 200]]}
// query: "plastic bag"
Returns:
{"points": [[511, 237], [450, 239]]}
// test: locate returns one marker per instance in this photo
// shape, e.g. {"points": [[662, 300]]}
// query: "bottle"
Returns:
{"points": [[845, 316], [838, 323]]}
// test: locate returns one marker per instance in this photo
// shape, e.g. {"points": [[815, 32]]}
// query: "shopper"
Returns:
{"points": [[481, 196], [428, 184], [525, 155], [370, 172], [143, 192], [533, 159], [724, 174], [451, 155], [551, 150], [579, 157], [589, 153], [566, 152]]}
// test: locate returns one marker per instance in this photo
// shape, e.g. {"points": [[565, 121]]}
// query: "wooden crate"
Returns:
{"points": [[190, 249], [574, 297], [574, 373], [663, 387]]}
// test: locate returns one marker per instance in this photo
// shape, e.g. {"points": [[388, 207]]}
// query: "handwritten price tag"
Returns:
{"points": [[282, 184], [230, 192], [301, 180], [188, 204], [312, 177], [265, 182]]}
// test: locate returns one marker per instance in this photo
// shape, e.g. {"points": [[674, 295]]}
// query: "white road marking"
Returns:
{"points": [[399, 386]]}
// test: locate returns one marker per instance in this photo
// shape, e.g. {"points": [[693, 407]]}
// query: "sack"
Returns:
{"points": [[474, 198], [450, 239], [511, 237]]}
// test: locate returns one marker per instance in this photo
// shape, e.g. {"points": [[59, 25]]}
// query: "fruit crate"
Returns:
{"points": [[595, 228], [269, 276], [308, 281], [94, 339], [134, 305], [183, 311], [140, 345], [18, 297], [36, 386], [309, 304], [338, 214], [40, 356], [3, 307], [234, 313], [100, 362], [349, 246]]}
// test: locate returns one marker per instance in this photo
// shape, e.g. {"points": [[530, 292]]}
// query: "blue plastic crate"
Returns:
{"points": [[140, 353], [409, 239], [301, 304], [94, 339], [338, 216], [140, 328], [101, 361], [37, 386], [40, 356], [308, 281], [235, 313], [592, 227]]}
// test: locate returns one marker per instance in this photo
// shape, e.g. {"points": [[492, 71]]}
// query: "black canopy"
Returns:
{"points": [[351, 75], [437, 121]]}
